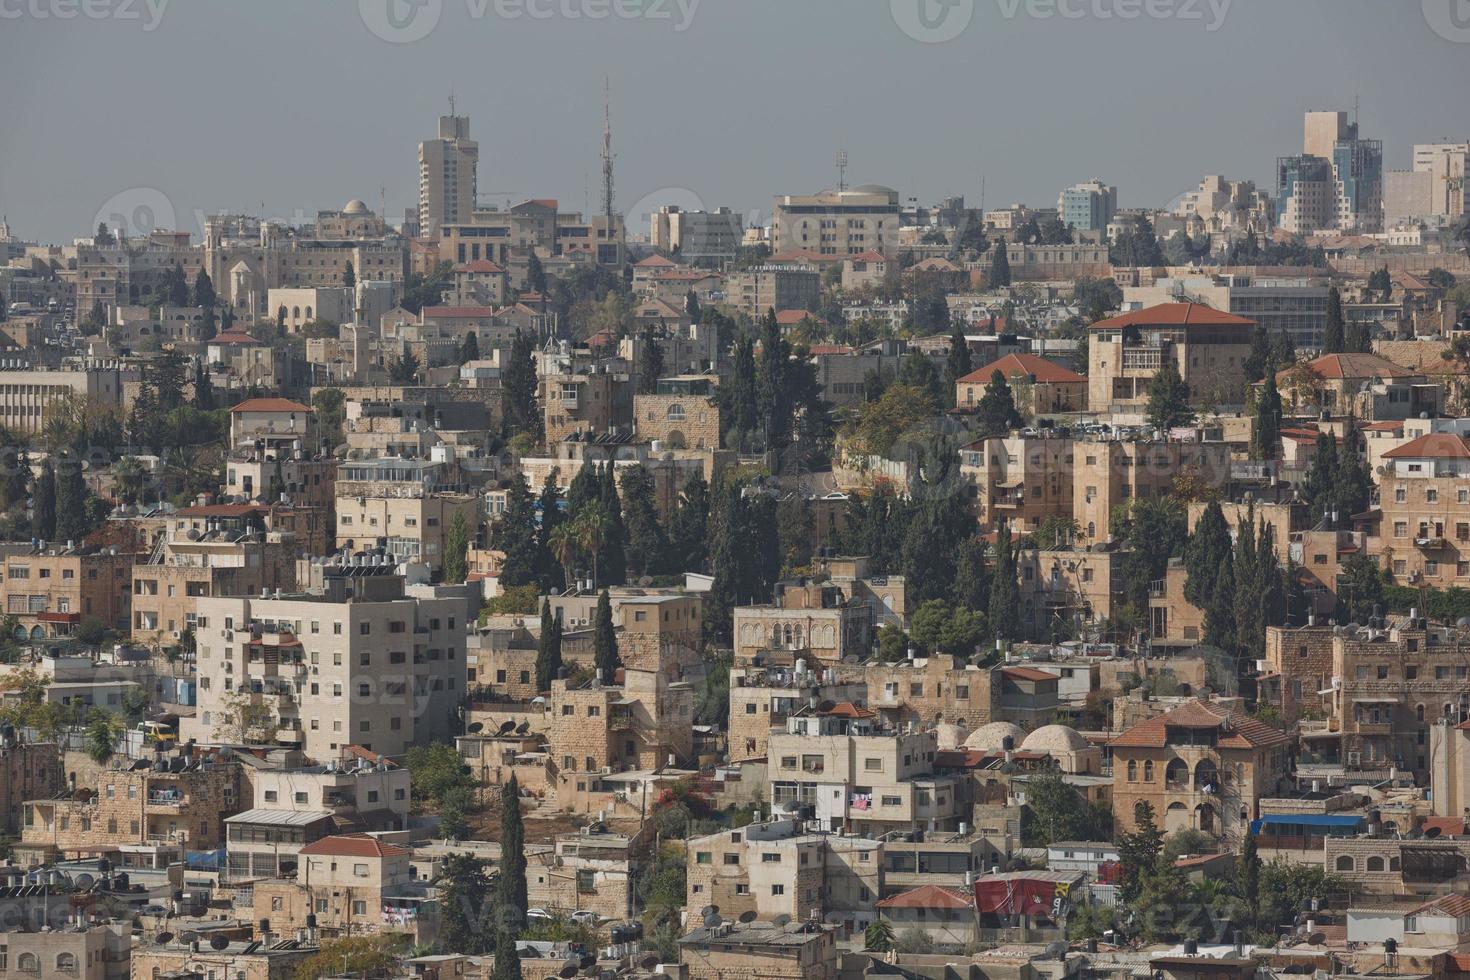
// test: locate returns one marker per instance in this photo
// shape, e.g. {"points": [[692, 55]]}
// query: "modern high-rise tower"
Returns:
{"points": [[447, 180]]}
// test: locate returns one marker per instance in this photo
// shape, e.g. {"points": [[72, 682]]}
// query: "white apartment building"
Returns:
{"points": [[358, 663], [696, 236], [1447, 165], [447, 176], [837, 223]]}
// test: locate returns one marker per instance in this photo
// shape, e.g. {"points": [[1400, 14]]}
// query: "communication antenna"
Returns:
{"points": [[607, 153], [842, 170]]}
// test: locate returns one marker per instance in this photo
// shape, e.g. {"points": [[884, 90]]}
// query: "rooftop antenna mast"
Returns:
{"points": [[607, 153], [842, 170]]}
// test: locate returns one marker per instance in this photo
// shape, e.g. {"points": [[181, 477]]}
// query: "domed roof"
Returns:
{"points": [[987, 738], [355, 206], [1054, 739], [948, 736]]}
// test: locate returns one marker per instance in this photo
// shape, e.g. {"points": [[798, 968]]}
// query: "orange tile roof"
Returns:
{"points": [[1235, 731], [1453, 905], [820, 349], [233, 337], [1448, 826], [1027, 674], [1336, 367], [791, 316], [654, 261], [846, 709], [270, 405], [1044, 371], [1173, 315], [1435, 445], [354, 845], [479, 265], [868, 256], [928, 897]]}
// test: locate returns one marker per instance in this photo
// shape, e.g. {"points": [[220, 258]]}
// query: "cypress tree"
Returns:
{"points": [[522, 410], [516, 535], [1206, 555], [507, 960], [1258, 362], [548, 648], [553, 576], [957, 363], [773, 403], [1333, 340], [470, 349], [971, 588], [726, 548], [71, 502], [739, 413], [648, 546], [1000, 266], [510, 889], [203, 388], [1005, 594], [605, 640], [652, 367], [612, 559], [43, 515], [1266, 433], [689, 527], [584, 488]]}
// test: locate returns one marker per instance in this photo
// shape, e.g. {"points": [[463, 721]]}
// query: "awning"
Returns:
{"points": [[59, 617], [1325, 820], [1373, 699]]}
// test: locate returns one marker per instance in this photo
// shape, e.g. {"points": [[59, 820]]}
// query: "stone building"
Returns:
{"points": [[353, 885], [50, 591], [28, 771], [1420, 530], [680, 414], [758, 949], [1038, 386], [1208, 346], [927, 691], [255, 959], [1110, 472], [1018, 480], [1199, 768], [89, 952], [763, 696], [639, 724], [588, 871], [819, 620]]}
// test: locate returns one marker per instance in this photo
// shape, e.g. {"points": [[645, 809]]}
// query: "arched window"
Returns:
{"points": [[1148, 770], [1091, 529], [675, 413], [308, 313], [1140, 809], [1177, 771], [295, 312], [28, 963], [1393, 864], [1419, 712], [1133, 770], [1375, 863], [1344, 863], [66, 962]]}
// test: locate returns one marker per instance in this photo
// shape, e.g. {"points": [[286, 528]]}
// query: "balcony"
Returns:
{"points": [[170, 799]]}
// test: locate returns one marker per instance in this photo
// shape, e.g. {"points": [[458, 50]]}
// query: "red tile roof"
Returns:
{"points": [[1173, 315], [233, 337], [828, 349], [655, 261], [1012, 365], [1388, 426], [846, 709], [928, 897], [1027, 674], [479, 265], [791, 316], [1453, 905], [457, 312], [1336, 367], [1448, 826], [1234, 731], [868, 256], [270, 405], [356, 845], [1435, 445]]}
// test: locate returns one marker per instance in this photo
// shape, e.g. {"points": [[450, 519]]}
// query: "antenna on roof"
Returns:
{"points": [[842, 170]]}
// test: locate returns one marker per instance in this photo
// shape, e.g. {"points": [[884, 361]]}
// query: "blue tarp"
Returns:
{"points": [[1325, 820]]}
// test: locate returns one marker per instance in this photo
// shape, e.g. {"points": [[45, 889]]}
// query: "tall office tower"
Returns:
{"points": [[1447, 165], [1354, 199], [1088, 206], [447, 182]]}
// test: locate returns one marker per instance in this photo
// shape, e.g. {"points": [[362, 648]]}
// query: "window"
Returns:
{"points": [[702, 857], [778, 889], [1345, 862], [873, 765], [770, 859], [359, 907]]}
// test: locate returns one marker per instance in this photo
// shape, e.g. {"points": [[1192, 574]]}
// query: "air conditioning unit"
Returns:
{"points": [[1354, 758]]}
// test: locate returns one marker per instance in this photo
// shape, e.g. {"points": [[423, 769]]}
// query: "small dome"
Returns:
{"points": [[355, 206], [1054, 740], [988, 738]]}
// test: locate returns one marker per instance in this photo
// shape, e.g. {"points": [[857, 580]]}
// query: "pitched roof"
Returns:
{"points": [[818, 350], [928, 897], [868, 256], [654, 261], [479, 265], [846, 709], [1027, 674], [1044, 371], [1234, 731], [457, 312], [233, 337], [222, 510], [270, 405], [1336, 367], [791, 316], [1435, 445], [1453, 905], [1173, 315], [355, 845]]}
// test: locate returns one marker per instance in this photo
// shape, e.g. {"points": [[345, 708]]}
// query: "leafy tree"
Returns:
{"points": [[535, 273], [1168, 397], [957, 363], [552, 518], [613, 562], [1359, 589], [1206, 554], [648, 546], [465, 908], [1096, 298], [368, 957], [1138, 854], [1156, 530], [1248, 881], [1380, 284], [102, 732], [941, 628], [330, 414], [469, 350], [203, 388], [996, 413], [1055, 811], [727, 559], [971, 589], [1333, 339], [1358, 339], [794, 529], [1137, 246], [688, 533], [404, 370], [204, 294], [456, 546], [349, 276], [1005, 593], [437, 771], [878, 937], [177, 286], [586, 489], [605, 640], [1258, 362], [15, 482], [522, 411], [72, 521], [880, 424], [739, 414]]}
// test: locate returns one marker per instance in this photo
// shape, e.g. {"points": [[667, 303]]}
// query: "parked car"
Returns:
{"points": [[586, 917], [538, 914]]}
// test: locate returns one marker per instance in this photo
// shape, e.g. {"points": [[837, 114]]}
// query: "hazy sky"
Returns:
{"points": [[294, 105]]}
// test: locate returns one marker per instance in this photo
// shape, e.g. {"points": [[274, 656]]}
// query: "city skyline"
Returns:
{"points": [[672, 132]]}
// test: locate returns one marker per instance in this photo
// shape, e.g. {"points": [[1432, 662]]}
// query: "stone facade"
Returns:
{"points": [[929, 691], [678, 421]]}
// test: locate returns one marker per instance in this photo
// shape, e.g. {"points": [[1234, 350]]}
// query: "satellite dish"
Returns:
{"points": [[164, 938], [826, 706], [747, 917], [781, 921], [649, 962], [1316, 939], [506, 728], [476, 727], [219, 942], [523, 728], [1430, 833], [713, 921], [569, 969], [709, 910]]}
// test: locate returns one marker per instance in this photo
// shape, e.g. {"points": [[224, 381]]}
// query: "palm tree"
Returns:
{"points": [[566, 547], [591, 527]]}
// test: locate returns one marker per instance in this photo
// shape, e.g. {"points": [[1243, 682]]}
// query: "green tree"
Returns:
{"points": [[971, 588], [507, 960], [535, 273], [1206, 555], [204, 294], [957, 362], [1266, 433], [464, 907], [1333, 338], [689, 527], [1000, 267], [794, 529], [1258, 362], [470, 349], [727, 561], [1005, 594], [648, 545], [1138, 854], [437, 771], [1055, 811], [102, 732], [548, 648], [1248, 880], [605, 640], [404, 370], [1359, 589], [456, 548], [522, 412], [652, 367], [552, 518], [612, 555], [510, 890], [72, 520], [739, 415], [516, 536], [349, 276], [878, 937], [1168, 397], [939, 627], [203, 388], [880, 424], [996, 413], [368, 957]]}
